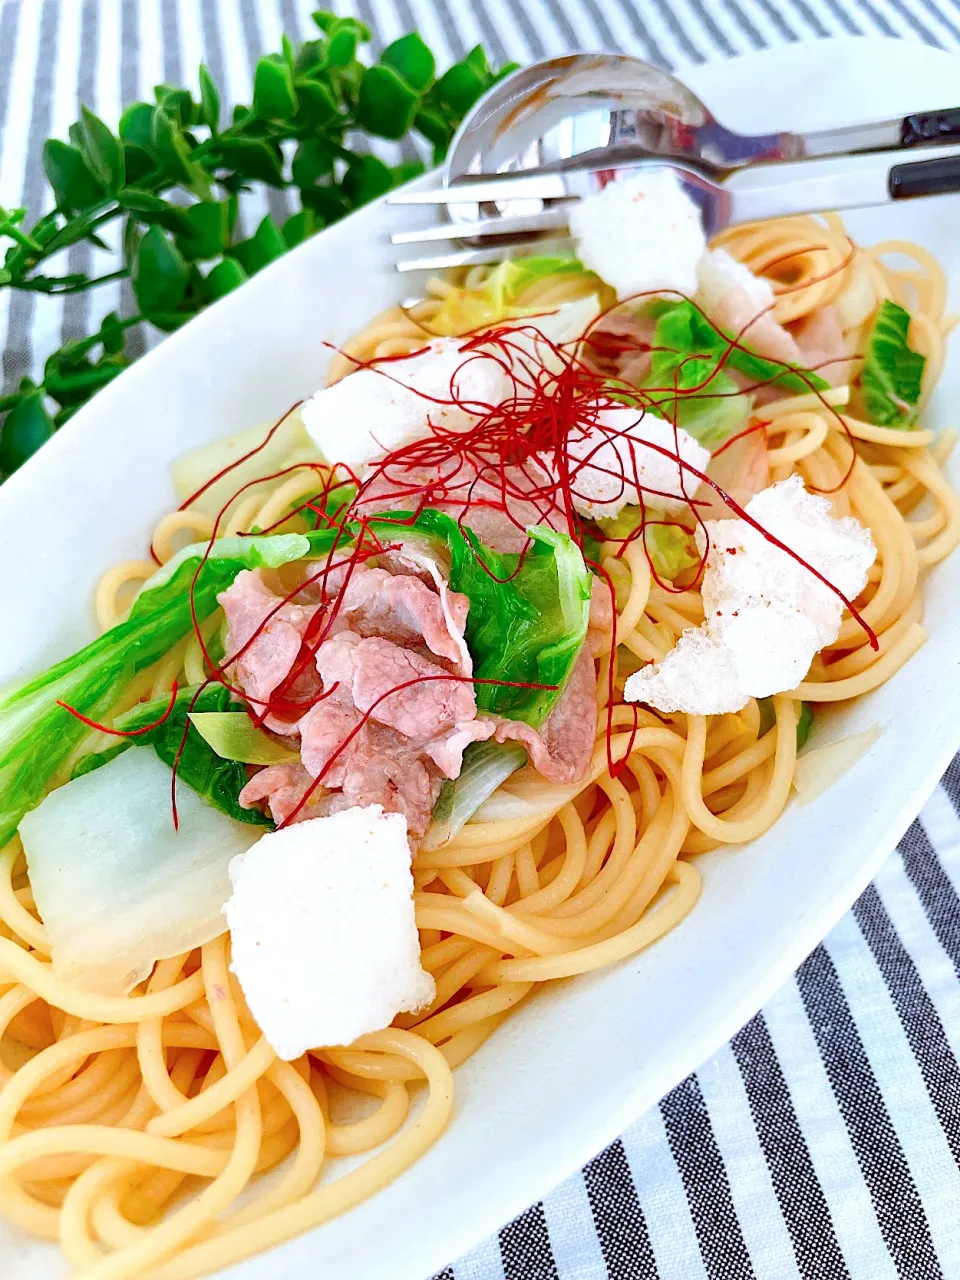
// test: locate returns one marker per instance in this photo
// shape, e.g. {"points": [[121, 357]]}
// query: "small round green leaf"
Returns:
{"points": [[434, 126], [149, 208], [252, 159], [269, 240], [102, 151], [264, 245], [461, 86], [406, 171], [139, 163], [208, 235], [160, 274], [317, 104], [342, 48], [174, 148], [224, 278], [387, 104], [26, 428], [135, 201], [310, 57], [170, 145], [326, 202], [314, 159], [209, 100], [136, 125], [412, 60], [177, 103], [366, 178], [274, 97], [477, 59], [75, 389], [74, 185], [111, 334], [299, 227]]}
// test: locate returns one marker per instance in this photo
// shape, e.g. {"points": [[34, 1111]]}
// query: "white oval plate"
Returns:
{"points": [[572, 1069]]}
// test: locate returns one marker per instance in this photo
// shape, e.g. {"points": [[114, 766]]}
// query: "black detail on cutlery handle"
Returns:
{"points": [[932, 126], [924, 178]]}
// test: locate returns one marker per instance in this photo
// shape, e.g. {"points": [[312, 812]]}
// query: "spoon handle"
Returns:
{"points": [[930, 128]]}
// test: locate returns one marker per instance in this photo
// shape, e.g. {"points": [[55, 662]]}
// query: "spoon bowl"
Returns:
{"points": [[563, 109]]}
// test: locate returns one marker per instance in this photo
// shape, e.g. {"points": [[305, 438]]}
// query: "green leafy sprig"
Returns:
{"points": [[174, 176]]}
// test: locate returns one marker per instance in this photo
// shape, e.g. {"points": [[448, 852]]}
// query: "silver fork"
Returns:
{"points": [[754, 194]]}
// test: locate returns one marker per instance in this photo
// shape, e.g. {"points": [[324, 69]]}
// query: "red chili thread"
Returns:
{"points": [[123, 733], [498, 463]]}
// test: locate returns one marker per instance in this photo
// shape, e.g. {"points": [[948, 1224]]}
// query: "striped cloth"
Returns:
{"points": [[824, 1140]]}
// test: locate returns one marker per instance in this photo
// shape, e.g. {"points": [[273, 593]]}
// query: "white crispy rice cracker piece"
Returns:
{"points": [[376, 410], [611, 456], [766, 614], [322, 928], [642, 234]]}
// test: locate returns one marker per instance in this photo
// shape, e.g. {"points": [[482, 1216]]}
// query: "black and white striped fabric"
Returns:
{"points": [[823, 1141]]}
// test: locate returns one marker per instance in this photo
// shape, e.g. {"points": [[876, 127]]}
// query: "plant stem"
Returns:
{"points": [[10, 229], [48, 284]]}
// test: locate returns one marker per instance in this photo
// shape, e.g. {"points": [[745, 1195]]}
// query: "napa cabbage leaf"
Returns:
{"points": [[892, 373], [528, 612], [691, 354], [163, 726], [670, 547], [497, 299], [37, 735], [485, 766], [232, 735]]}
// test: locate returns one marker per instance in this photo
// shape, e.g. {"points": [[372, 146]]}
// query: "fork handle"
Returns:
{"points": [[925, 178], [840, 182]]}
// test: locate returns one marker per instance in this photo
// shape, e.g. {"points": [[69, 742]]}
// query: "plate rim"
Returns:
{"points": [[713, 1034]]}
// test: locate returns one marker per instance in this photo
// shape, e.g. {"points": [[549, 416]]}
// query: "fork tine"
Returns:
{"points": [[473, 257], [543, 186], [548, 220]]}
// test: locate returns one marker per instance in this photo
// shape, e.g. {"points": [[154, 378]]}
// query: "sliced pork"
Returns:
{"points": [[363, 739], [364, 763], [562, 747], [283, 787], [265, 632], [824, 346], [741, 469], [600, 624], [400, 607], [387, 707], [618, 345], [395, 685]]}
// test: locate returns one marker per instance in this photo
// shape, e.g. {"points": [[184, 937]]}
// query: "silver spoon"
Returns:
{"points": [[562, 108]]}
